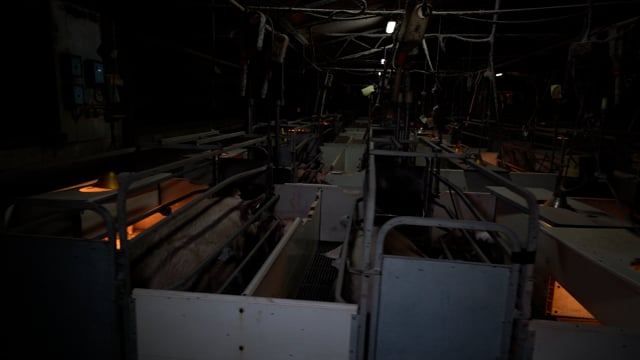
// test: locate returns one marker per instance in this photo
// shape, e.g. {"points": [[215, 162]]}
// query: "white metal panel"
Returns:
{"points": [[534, 179], [331, 153], [583, 216], [595, 266], [556, 340], [454, 176], [353, 181], [336, 209], [353, 157], [296, 199], [184, 325], [432, 309], [356, 134], [335, 206], [342, 157]]}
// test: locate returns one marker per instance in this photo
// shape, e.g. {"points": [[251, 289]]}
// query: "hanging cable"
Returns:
{"points": [[426, 53], [588, 25], [492, 76], [435, 12], [520, 21]]}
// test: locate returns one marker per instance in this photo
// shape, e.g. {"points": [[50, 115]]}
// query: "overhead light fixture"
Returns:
{"points": [[382, 61], [366, 91], [498, 74], [391, 25]]}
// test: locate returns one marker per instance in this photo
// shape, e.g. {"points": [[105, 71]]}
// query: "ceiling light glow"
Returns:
{"points": [[391, 25]]}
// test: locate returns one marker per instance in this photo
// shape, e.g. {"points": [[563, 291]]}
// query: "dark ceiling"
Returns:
{"points": [[347, 37], [181, 60], [178, 40], [460, 36]]}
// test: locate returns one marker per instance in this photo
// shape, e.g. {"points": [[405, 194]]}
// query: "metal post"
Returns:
{"points": [[250, 114]]}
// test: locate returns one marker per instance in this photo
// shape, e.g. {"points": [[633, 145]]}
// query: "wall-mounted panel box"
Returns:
{"points": [[94, 73], [78, 95], [71, 65]]}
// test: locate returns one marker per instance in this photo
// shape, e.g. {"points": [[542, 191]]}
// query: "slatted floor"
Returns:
{"points": [[319, 280]]}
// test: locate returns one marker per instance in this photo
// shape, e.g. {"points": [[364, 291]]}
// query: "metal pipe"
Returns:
{"points": [[109, 220], [343, 256], [134, 181], [425, 191], [299, 145], [249, 255], [369, 215], [366, 52], [417, 154], [211, 139], [433, 12], [395, 142], [525, 282], [436, 222], [163, 208], [276, 139], [262, 139], [492, 70], [461, 35], [250, 114], [475, 246], [445, 248], [257, 279], [234, 235], [157, 226], [190, 137], [8, 214]]}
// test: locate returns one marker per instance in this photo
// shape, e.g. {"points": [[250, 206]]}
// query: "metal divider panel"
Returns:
{"points": [[439, 309]]}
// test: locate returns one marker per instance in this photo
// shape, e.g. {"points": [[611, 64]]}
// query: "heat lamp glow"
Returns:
{"points": [[93, 189]]}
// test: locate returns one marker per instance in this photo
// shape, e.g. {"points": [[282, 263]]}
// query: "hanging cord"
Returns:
{"points": [[556, 18], [350, 14], [270, 60], [426, 52], [426, 11], [491, 65], [587, 29], [440, 44], [346, 18], [362, 11]]}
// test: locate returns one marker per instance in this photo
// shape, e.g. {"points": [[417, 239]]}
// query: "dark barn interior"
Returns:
{"points": [[522, 116]]}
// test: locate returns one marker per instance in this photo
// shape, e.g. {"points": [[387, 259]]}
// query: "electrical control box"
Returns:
{"points": [[72, 74], [94, 73], [78, 95], [71, 65]]}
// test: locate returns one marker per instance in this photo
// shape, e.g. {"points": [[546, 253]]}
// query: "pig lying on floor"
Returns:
{"points": [[197, 244]]}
